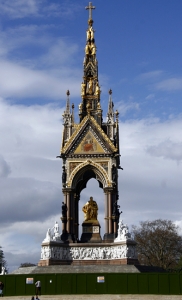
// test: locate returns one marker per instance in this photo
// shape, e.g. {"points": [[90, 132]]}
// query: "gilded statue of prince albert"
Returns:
{"points": [[90, 210]]}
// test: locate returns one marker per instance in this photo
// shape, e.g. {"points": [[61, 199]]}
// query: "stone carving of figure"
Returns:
{"points": [[123, 232], [90, 210], [64, 176], [87, 49], [90, 86], [83, 85], [98, 105], [56, 228], [64, 210], [93, 49], [97, 89], [88, 34], [114, 174], [116, 211], [91, 33]]}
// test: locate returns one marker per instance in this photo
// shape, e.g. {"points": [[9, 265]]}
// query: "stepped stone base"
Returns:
{"points": [[88, 269]]}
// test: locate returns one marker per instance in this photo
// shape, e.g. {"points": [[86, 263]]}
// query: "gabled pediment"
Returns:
{"points": [[90, 143], [88, 138]]}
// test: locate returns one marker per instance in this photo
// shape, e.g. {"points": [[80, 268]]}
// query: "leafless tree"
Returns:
{"points": [[158, 243]]}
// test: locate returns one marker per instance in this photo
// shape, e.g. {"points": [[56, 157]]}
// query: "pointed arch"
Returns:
{"points": [[92, 170]]}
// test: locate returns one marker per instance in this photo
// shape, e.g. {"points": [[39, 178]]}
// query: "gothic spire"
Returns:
{"points": [[67, 119], [90, 89], [68, 102]]}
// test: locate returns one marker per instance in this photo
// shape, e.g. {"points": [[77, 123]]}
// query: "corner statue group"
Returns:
{"points": [[90, 210]]}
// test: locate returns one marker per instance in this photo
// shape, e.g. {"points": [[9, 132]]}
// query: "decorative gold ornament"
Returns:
{"points": [[97, 89], [83, 86]]}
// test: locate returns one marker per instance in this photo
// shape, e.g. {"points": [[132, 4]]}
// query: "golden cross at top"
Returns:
{"points": [[90, 7]]}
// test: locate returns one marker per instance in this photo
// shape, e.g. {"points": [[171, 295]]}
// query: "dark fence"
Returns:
{"points": [[105, 283]]}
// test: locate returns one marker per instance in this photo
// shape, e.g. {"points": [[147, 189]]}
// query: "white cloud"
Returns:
{"points": [[124, 107], [171, 84], [151, 75], [167, 149], [18, 9], [19, 81], [158, 81], [50, 72], [150, 96]]}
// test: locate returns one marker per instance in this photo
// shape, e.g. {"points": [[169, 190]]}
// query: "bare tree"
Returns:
{"points": [[158, 243]]}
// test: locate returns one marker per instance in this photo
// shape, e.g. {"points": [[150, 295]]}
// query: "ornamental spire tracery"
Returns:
{"points": [[90, 89]]}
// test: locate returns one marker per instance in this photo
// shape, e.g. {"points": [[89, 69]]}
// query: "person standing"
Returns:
{"points": [[1, 288], [38, 287]]}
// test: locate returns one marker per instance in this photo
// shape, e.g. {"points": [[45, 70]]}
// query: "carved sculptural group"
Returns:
{"points": [[88, 253]]}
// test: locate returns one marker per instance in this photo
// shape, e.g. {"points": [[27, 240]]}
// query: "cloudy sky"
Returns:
{"points": [[139, 46]]}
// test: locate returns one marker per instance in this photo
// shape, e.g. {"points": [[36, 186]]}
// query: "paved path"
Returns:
{"points": [[99, 297]]}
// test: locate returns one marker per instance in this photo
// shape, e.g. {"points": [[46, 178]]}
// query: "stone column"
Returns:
{"points": [[110, 212], [106, 214], [68, 211], [115, 219], [73, 214], [115, 227], [64, 219], [76, 217]]}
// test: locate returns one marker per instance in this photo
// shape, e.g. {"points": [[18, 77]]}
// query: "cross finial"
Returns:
{"points": [[90, 7]]}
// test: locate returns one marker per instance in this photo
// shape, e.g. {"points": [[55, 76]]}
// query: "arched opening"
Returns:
{"points": [[89, 181], [92, 188], [105, 197]]}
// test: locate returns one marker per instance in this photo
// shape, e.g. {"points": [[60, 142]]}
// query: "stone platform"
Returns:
{"points": [[87, 269]]}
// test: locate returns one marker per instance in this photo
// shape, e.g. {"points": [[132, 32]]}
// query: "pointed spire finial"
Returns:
{"points": [[90, 7], [68, 102], [110, 104]]}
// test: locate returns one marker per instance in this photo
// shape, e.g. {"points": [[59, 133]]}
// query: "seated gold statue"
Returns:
{"points": [[90, 210]]}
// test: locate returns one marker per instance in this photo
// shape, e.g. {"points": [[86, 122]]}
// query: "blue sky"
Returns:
{"points": [[139, 48]]}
